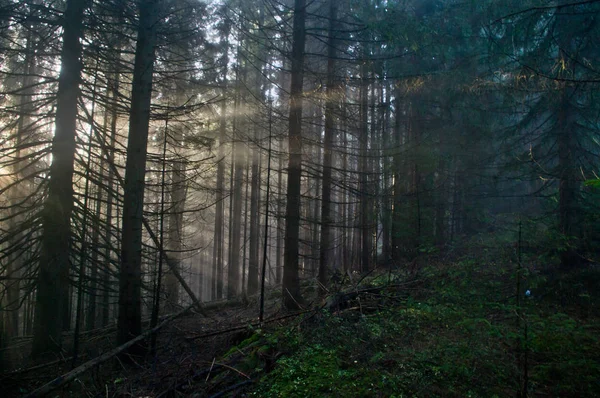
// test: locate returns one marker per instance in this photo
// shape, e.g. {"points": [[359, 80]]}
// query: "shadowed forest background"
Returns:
{"points": [[161, 156]]}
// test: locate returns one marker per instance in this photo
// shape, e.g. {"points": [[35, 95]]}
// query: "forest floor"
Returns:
{"points": [[448, 328]]}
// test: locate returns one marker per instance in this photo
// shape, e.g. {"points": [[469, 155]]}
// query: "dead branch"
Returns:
{"points": [[236, 328], [62, 380]]}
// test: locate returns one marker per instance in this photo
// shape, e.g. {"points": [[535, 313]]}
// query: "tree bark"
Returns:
{"points": [[218, 246], [397, 196], [254, 225], [239, 158], [175, 233], [53, 276], [291, 282], [19, 192], [129, 318], [365, 211]]}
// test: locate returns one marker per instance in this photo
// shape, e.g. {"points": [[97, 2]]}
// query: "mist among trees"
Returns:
{"points": [[161, 158]]}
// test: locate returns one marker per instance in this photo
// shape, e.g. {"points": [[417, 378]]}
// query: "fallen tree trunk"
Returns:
{"points": [[341, 300], [174, 269], [70, 376], [243, 327]]}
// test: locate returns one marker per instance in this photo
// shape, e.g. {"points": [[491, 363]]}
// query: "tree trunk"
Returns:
{"points": [[53, 276], [291, 282], [245, 235], [233, 270], [175, 233], [217, 261], [129, 318], [253, 261], [397, 196], [365, 211], [568, 189], [254, 225], [346, 205], [280, 202], [386, 208], [19, 193]]}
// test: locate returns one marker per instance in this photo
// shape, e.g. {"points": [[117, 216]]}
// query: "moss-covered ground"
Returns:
{"points": [[456, 331]]}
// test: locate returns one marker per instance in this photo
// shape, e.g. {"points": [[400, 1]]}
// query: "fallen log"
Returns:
{"points": [[243, 327], [173, 268], [70, 376], [341, 300]]}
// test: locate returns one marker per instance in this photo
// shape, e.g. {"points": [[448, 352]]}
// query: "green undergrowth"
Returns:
{"points": [[457, 334]]}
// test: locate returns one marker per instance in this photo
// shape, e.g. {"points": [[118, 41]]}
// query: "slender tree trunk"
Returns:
{"points": [[397, 197], [175, 241], [160, 227], [220, 208], [254, 225], [233, 271], [53, 275], [291, 282], [83, 256], [245, 236], [441, 188], [346, 206], [280, 202], [129, 319], [220, 271], [386, 208], [257, 89], [19, 194], [567, 131], [315, 216], [113, 85], [568, 188], [374, 172], [93, 291], [112, 245], [365, 211]]}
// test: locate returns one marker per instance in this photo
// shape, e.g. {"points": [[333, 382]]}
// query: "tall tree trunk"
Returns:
{"points": [[83, 256], [19, 193], [397, 195], [220, 272], [347, 205], [239, 159], [567, 131], [442, 187], [113, 83], [175, 233], [253, 261], [386, 208], [233, 270], [53, 274], [365, 211], [129, 319], [374, 170], [113, 86], [315, 216], [291, 282], [93, 304], [568, 188], [245, 235], [280, 202], [218, 246], [254, 224]]}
